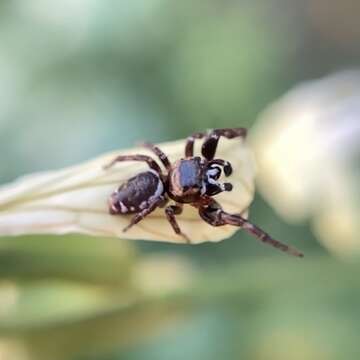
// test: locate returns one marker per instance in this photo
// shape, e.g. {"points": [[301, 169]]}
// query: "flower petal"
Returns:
{"points": [[307, 148], [74, 199]]}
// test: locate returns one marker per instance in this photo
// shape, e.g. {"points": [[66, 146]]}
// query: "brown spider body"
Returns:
{"points": [[186, 180], [136, 194], [191, 180]]}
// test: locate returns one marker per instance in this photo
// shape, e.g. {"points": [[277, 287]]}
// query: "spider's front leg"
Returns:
{"points": [[213, 214], [209, 147], [210, 144], [189, 146]]}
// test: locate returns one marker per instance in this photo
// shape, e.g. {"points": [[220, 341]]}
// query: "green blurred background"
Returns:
{"points": [[81, 77]]}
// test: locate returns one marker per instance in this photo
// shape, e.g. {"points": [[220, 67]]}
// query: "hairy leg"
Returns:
{"points": [[214, 215], [159, 153], [150, 161], [142, 214], [170, 212], [210, 144], [189, 147]]}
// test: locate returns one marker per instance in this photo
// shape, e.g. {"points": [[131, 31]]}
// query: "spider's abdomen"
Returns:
{"points": [[136, 194]]}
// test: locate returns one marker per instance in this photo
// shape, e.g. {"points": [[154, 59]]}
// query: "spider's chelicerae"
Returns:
{"points": [[190, 180]]}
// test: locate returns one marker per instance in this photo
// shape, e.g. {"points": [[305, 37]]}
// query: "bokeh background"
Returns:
{"points": [[82, 77]]}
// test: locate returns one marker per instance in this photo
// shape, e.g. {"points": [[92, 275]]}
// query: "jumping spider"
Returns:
{"points": [[190, 180]]}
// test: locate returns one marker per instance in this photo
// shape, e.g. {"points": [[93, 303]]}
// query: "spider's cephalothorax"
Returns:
{"points": [[190, 180]]}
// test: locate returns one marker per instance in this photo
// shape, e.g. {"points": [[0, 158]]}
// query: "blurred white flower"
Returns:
{"points": [[13, 349], [307, 146], [74, 200]]}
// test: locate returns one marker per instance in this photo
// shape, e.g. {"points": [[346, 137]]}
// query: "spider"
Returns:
{"points": [[190, 180]]}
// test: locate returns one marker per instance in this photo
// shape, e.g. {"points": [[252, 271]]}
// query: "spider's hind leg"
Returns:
{"points": [[138, 157], [143, 213]]}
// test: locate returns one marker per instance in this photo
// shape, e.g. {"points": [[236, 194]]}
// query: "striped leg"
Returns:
{"points": [[170, 212], [189, 147], [141, 215], [163, 158], [150, 161], [210, 144], [214, 215]]}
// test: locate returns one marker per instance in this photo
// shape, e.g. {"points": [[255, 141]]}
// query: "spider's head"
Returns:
{"points": [[185, 179], [191, 178]]}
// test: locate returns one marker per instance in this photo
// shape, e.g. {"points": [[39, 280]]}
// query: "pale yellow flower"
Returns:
{"points": [[307, 146], [74, 200]]}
